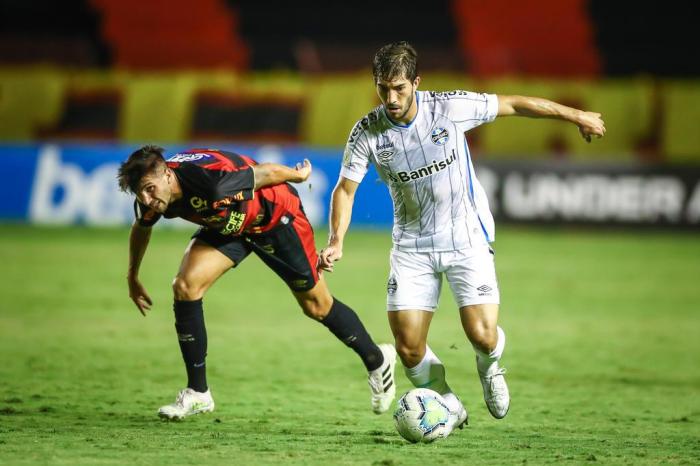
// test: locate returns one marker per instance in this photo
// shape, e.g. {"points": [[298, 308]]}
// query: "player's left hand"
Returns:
{"points": [[139, 296], [304, 170], [590, 124], [328, 256]]}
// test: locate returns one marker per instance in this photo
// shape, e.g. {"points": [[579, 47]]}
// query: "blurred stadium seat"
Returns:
{"points": [[174, 70], [221, 116], [47, 31], [88, 115], [171, 34], [535, 38]]}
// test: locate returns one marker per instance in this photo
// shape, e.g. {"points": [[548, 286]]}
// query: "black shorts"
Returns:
{"points": [[288, 249]]}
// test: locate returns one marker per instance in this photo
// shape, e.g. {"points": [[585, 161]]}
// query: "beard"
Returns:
{"points": [[409, 103]]}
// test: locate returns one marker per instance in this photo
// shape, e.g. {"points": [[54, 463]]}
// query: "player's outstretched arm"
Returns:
{"points": [[341, 211], [589, 123], [271, 174], [138, 242]]}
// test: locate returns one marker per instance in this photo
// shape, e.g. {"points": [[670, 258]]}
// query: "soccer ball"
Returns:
{"points": [[422, 416]]}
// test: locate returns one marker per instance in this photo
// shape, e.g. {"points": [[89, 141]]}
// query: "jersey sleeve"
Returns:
{"points": [[237, 185], [468, 108], [356, 157], [145, 216]]}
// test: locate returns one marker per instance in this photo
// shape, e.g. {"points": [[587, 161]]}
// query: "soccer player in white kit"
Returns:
{"points": [[442, 221]]}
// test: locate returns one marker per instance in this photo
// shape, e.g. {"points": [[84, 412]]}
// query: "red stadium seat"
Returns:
{"points": [[170, 34], [532, 37]]}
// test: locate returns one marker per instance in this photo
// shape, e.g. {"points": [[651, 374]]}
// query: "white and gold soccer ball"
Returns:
{"points": [[422, 416]]}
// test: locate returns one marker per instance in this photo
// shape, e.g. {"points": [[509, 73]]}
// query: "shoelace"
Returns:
{"points": [[180, 400], [495, 387]]}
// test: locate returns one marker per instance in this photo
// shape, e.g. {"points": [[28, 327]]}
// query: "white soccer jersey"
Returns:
{"points": [[438, 203]]}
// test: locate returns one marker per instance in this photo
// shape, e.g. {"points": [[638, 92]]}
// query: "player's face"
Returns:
{"points": [[156, 190], [398, 97]]}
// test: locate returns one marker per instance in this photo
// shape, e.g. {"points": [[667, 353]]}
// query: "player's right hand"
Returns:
{"points": [[327, 256], [304, 170], [591, 124], [138, 295]]}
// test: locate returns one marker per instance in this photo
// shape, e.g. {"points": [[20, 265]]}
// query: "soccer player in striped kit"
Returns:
{"points": [[442, 222], [242, 207]]}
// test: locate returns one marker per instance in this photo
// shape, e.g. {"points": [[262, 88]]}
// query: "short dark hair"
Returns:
{"points": [[395, 60], [140, 163]]}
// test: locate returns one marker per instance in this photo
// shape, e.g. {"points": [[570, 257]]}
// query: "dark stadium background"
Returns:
{"points": [[295, 74]]}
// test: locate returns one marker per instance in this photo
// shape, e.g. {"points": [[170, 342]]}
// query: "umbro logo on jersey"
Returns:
{"points": [[484, 290], [439, 136], [386, 150], [385, 156]]}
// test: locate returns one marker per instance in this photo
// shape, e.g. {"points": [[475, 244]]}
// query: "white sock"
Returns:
{"points": [[486, 363], [430, 373]]}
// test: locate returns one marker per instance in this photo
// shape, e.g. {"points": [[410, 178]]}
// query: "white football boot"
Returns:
{"points": [[381, 380], [496, 393], [187, 403], [458, 418]]}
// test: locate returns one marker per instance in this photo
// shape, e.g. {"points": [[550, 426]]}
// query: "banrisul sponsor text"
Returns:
{"points": [[422, 172]]}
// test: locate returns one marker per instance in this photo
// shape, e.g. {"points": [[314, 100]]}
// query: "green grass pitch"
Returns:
{"points": [[603, 356]]}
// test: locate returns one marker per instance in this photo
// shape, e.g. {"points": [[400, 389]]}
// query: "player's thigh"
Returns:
{"points": [[413, 283], [471, 275], [201, 265]]}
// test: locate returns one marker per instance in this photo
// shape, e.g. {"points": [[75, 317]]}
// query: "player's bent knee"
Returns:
{"points": [[410, 354], [316, 303], [484, 340], [185, 290], [314, 308]]}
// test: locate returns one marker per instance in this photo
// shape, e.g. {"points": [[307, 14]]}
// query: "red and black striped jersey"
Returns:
{"points": [[218, 193]]}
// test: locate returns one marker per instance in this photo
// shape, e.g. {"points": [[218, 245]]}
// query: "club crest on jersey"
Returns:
{"points": [[391, 286], [188, 157], [439, 136]]}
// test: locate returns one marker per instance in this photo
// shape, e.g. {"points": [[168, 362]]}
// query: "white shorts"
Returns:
{"points": [[415, 278]]}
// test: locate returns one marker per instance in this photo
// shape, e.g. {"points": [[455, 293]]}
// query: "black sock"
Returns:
{"points": [[346, 326], [192, 336]]}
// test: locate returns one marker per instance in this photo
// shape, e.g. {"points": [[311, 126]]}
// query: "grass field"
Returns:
{"points": [[602, 357]]}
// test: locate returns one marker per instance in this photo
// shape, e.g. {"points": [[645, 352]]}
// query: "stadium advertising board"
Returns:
{"points": [[75, 184], [562, 192]]}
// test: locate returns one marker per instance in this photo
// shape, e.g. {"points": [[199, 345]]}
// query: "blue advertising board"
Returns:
{"points": [[76, 184]]}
